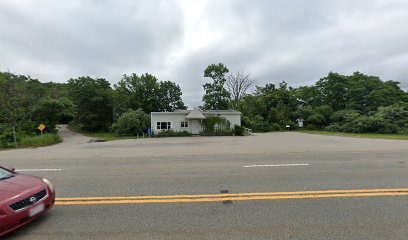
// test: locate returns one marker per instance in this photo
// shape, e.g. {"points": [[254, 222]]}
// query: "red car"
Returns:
{"points": [[22, 199]]}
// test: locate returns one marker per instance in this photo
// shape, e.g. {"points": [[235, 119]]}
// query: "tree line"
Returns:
{"points": [[336, 102]]}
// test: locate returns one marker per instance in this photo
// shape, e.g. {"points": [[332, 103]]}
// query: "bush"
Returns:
{"points": [[284, 123], [275, 127], [340, 116], [217, 133], [258, 124], [211, 123], [334, 127], [404, 130], [131, 123], [7, 139], [239, 130], [357, 123], [171, 133]]}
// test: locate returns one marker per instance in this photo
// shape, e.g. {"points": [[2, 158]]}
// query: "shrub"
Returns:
{"points": [[131, 123], [7, 139], [334, 127], [239, 130], [210, 122], [217, 133], [340, 116], [171, 133], [275, 127], [284, 123]]}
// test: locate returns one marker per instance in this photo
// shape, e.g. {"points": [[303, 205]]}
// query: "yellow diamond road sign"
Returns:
{"points": [[41, 127]]}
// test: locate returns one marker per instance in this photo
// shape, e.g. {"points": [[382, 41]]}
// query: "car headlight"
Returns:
{"points": [[48, 183]]}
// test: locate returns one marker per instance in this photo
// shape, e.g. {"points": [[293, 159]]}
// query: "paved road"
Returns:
{"points": [[210, 165]]}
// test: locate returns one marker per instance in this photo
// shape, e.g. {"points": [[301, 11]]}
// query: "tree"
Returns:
{"points": [[216, 97], [333, 90], [51, 111], [19, 97], [238, 84], [170, 97], [94, 104], [134, 92], [147, 93]]}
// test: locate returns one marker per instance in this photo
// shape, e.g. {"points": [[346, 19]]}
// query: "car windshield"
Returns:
{"points": [[4, 174]]}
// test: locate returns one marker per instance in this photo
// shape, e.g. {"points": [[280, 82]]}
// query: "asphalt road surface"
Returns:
{"points": [[268, 186]]}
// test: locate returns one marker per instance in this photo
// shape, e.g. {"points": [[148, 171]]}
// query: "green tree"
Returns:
{"points": [[51, 111], [170, 97], [19, 97], [147, 93], [134, 92], [93, 100], [216, 97], [333, 90]]}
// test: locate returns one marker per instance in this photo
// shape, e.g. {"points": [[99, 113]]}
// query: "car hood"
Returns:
{"points": [[18, 186]]}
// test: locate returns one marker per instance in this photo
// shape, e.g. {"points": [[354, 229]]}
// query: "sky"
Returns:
{"points": [[297, 41]]}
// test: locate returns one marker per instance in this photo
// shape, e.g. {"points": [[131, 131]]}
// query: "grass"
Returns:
{"points": [[109, 136], [40, 141], [102, 136], [361, 135]]}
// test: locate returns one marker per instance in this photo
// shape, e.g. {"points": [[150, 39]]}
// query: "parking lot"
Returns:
{"points": [[144, 184]]}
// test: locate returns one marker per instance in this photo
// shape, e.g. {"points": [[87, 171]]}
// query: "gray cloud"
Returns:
{"points": [[296, 41]]}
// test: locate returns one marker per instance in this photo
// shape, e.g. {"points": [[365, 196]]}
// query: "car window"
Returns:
{"points": [[5, 174]]}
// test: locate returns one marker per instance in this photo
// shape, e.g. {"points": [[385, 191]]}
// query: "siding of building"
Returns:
{"points": [[175, 118]]}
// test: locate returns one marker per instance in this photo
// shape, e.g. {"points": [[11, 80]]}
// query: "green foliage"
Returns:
{"points": [[40, 141], [7, 139], [358, 91], [226, 132], [131, 123], [19, 98], [357, 123], [171, 133], [24, 140], [147, 93], [216, 97], [94, 103], [357, 103], [269, 108], [215, 123], [170, 97], [51, 111], [26, 102], [239, 130]]}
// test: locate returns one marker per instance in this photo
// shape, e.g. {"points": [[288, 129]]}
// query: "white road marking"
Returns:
{"points": [[40, 170], [278, 165]]}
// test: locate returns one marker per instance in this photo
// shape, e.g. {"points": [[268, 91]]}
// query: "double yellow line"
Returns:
{"points": [[231, 197]]}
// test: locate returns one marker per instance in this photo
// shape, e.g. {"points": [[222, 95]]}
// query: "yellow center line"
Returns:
{"points": [[232, 197]]}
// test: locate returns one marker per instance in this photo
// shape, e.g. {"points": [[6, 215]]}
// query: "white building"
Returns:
{"points": [[189, 120]]}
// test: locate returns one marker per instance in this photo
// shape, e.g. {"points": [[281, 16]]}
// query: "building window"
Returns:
{"points": [[184, 124], [163, 125]]}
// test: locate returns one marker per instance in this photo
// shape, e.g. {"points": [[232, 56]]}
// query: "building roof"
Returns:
{"points": [[204, 113], [195, 114]]}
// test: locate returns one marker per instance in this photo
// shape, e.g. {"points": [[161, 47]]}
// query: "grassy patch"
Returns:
{"points": [[40, 141], [362, 135], [110, 136], [104, 136]]}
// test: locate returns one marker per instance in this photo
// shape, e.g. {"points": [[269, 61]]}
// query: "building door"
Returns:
{"points": [[195, 126]]}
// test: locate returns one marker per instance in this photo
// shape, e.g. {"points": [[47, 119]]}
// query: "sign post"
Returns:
{"points": [[41, 127]]}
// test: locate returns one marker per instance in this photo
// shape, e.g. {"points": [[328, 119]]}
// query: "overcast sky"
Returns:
{"points": [[297, 41]]}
